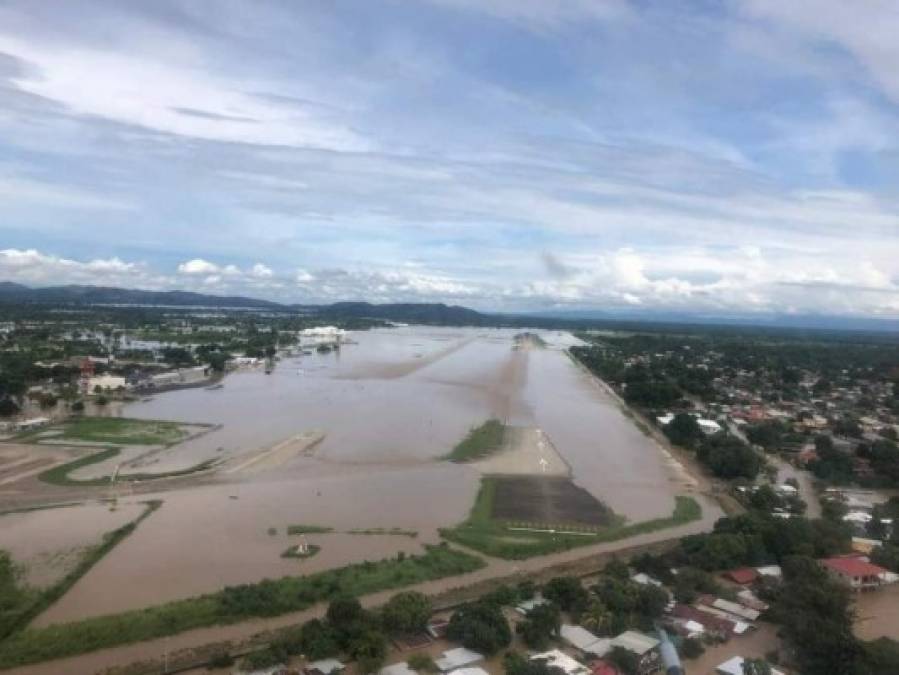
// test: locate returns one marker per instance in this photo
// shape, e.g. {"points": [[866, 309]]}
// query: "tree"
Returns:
{"points": [[540, 625], [318, 640], [692, 648], [820, 618], [344, 610], [369, 649], [217, 361], [8, 407], [567, 592], [406, 612], [422, 663], [729, 457], [684, 430], [480, 626], [596, 617], [624, 660], [515, 663], [756, 667]]}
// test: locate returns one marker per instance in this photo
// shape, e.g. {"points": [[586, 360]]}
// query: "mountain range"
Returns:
{"points": [[436, 313]]}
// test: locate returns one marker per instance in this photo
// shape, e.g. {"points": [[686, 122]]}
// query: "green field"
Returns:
{"points": [[233, 604], [516, 541], [59, 475], [109, 431], [479, 442]]}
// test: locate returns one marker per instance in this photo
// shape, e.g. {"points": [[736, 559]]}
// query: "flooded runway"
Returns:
{"points": [[382, 412]]}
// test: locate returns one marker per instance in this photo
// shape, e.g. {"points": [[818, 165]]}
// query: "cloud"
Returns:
{"points": [[198, 266], [543, 14], [260, 271], [29, 266], [867, 31], [181, 98], [504, 154]]}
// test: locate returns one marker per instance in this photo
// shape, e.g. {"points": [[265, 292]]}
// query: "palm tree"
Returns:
{"points": [[596, 617]]}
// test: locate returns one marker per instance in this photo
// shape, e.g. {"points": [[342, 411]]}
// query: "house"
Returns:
{"points": [[739, 626], [437, 628], [600, 667], [644, 647], [645, 580], [858, 574], [525, 607], [748, 599], [560, 660], [734, 666], [324, 667], [688, 617], [401, 668], [583, 640], [738, 610], [33, 423], [708, 427], [106, 382], [772, 571], [453, 659], [743, 575]]}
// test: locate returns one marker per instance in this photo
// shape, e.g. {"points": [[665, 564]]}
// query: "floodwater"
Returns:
{"points": [[389, 407], [46, 544]]}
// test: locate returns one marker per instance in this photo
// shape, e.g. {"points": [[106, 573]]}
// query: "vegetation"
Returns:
{"points": [[540, 626], [406, 612], [110, 431], [480, 626], [503, 540], [480, 442], [396, 531], [308, 529], [232, 604], [19, 607], [294, 551], [59, 475]]}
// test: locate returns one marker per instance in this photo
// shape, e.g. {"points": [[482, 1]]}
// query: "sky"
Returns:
{"points": [[514, 155]]}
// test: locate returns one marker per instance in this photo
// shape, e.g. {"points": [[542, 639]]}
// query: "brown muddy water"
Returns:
{"points": [[389, 407], [47, 544]]}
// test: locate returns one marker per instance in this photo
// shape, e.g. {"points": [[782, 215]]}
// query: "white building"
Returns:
{"points": [[560, 660], [106, 382], [734, 666], [453, 659]]}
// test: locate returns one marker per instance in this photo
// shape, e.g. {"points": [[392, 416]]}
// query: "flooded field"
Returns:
{"points": [[352, 439], [46, 544]]}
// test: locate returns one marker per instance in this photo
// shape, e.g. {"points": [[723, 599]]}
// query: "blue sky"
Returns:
{"points": [[503, 154]]}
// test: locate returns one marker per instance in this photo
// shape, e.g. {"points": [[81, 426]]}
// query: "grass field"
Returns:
{"points": [[519, 540], [479, 442], [59, 475], [109, 431], [233, 604]]}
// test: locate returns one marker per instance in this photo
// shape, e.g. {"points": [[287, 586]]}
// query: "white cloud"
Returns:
{"points": [[865, 30], [198, 266], [260, 271], [29, 266], [181, 98]]}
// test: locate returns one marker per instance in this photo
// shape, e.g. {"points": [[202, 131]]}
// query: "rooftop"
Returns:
{"points": [[853, 567]]}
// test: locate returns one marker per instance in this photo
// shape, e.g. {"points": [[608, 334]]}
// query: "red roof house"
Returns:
{"points": [[600, 667], [743, 575], [858, 573]]}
